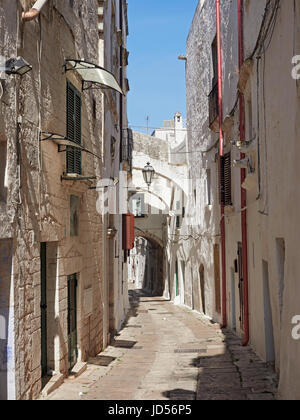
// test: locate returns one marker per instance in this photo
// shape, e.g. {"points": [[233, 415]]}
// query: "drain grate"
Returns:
{"points": [[142, 311], [101, 360], [181, 394], [134, 326], [124, 344], [202, 351], [137, 348]]}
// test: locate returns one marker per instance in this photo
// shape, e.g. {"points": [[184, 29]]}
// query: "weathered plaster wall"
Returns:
{"points": [[42, 204], [272, 103], [204, 231], [117, 292]]}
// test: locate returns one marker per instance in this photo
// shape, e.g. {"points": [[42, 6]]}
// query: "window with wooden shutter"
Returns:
{"points": [[225, 180], [73, 129]]}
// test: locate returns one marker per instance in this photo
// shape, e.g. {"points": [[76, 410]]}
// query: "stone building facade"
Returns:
{"points": [[52, 237], [267, 93], [117, 159]]}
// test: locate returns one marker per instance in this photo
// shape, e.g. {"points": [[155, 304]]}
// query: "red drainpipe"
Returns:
{"points": [[221, 152], [243, 176]]}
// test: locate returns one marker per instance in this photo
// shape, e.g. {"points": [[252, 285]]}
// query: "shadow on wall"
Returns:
{"points": [[6, 353]]}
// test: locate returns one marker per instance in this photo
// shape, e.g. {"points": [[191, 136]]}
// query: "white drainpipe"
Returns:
{"points": [[34, 11]]}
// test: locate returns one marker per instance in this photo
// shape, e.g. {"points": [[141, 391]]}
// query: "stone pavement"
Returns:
{"points": [[167, 352]]}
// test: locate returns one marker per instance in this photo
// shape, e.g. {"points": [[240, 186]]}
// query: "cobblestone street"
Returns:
{"points": [[166, 352]]}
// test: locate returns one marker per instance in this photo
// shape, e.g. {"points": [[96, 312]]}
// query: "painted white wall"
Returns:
{"points": [[272, 96]]}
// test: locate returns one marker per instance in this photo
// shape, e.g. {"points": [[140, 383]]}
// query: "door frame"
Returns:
{"points": [[241, 284], [72, 332], [43, 306]]}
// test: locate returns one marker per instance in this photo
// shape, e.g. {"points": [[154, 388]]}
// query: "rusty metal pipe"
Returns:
{"points": [[34, 11], [221, 152]]}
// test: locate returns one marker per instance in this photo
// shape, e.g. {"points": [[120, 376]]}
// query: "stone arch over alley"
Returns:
{"points": [[157, 210]]}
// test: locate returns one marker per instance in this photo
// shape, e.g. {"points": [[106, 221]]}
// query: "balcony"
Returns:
{"points": [[213, 100]]}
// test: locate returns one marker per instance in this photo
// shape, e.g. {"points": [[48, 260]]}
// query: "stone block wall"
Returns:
{"points": [[38, 201]]}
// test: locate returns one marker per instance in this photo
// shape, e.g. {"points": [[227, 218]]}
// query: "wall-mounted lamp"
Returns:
{"points": [[148, 174], [182, 57], [17, 66]]}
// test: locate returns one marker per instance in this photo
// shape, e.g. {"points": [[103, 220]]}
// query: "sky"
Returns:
{"points": [[158, 30]]}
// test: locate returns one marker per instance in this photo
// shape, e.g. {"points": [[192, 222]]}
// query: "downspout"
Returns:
{"points": [[243, 176], [34, 11], [221, 153]]}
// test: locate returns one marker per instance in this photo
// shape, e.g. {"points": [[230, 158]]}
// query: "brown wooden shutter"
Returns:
{"points": [[73, 129]]}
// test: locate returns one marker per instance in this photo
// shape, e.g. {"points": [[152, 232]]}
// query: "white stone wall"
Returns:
{"points": [[38, 202], [116, 278], [272, 103]]}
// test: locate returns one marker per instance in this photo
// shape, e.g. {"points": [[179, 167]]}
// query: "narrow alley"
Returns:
{"points": [[168, 352], [149, 201]]}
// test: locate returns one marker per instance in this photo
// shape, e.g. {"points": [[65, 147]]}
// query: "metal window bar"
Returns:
{"points": [[225, 180]]}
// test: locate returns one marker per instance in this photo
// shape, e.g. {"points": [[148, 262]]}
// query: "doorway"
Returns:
{"points": [[202, 288], [176, 279], [241, 284], [269, 335], [217, 278], [44, 359], [233, 307], [72, 320]]}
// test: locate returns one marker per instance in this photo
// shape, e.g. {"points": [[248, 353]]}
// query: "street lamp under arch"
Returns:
{"points": [[148, 174]]}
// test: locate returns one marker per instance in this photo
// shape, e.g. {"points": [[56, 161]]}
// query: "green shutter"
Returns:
{"points": [[73, 128]]}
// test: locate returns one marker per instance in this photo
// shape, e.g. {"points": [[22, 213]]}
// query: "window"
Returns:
{"points": [[73, 129], [3, 163], [214, 94], [208, 186], [280, 256], [179, 214], [74, 215], [127, 146], [225, 180], [138, 206], [250, 122], [214, 51], [94, 108], [113, 142]]}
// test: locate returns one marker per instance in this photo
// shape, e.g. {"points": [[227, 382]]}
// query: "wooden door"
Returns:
{"points": [[72, 320]]}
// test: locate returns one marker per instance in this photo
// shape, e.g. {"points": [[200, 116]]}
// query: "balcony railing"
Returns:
{"points": [[213, 100]]}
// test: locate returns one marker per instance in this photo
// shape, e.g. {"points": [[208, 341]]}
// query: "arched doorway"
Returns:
{"points": [[202, 287], [147, 265]]}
